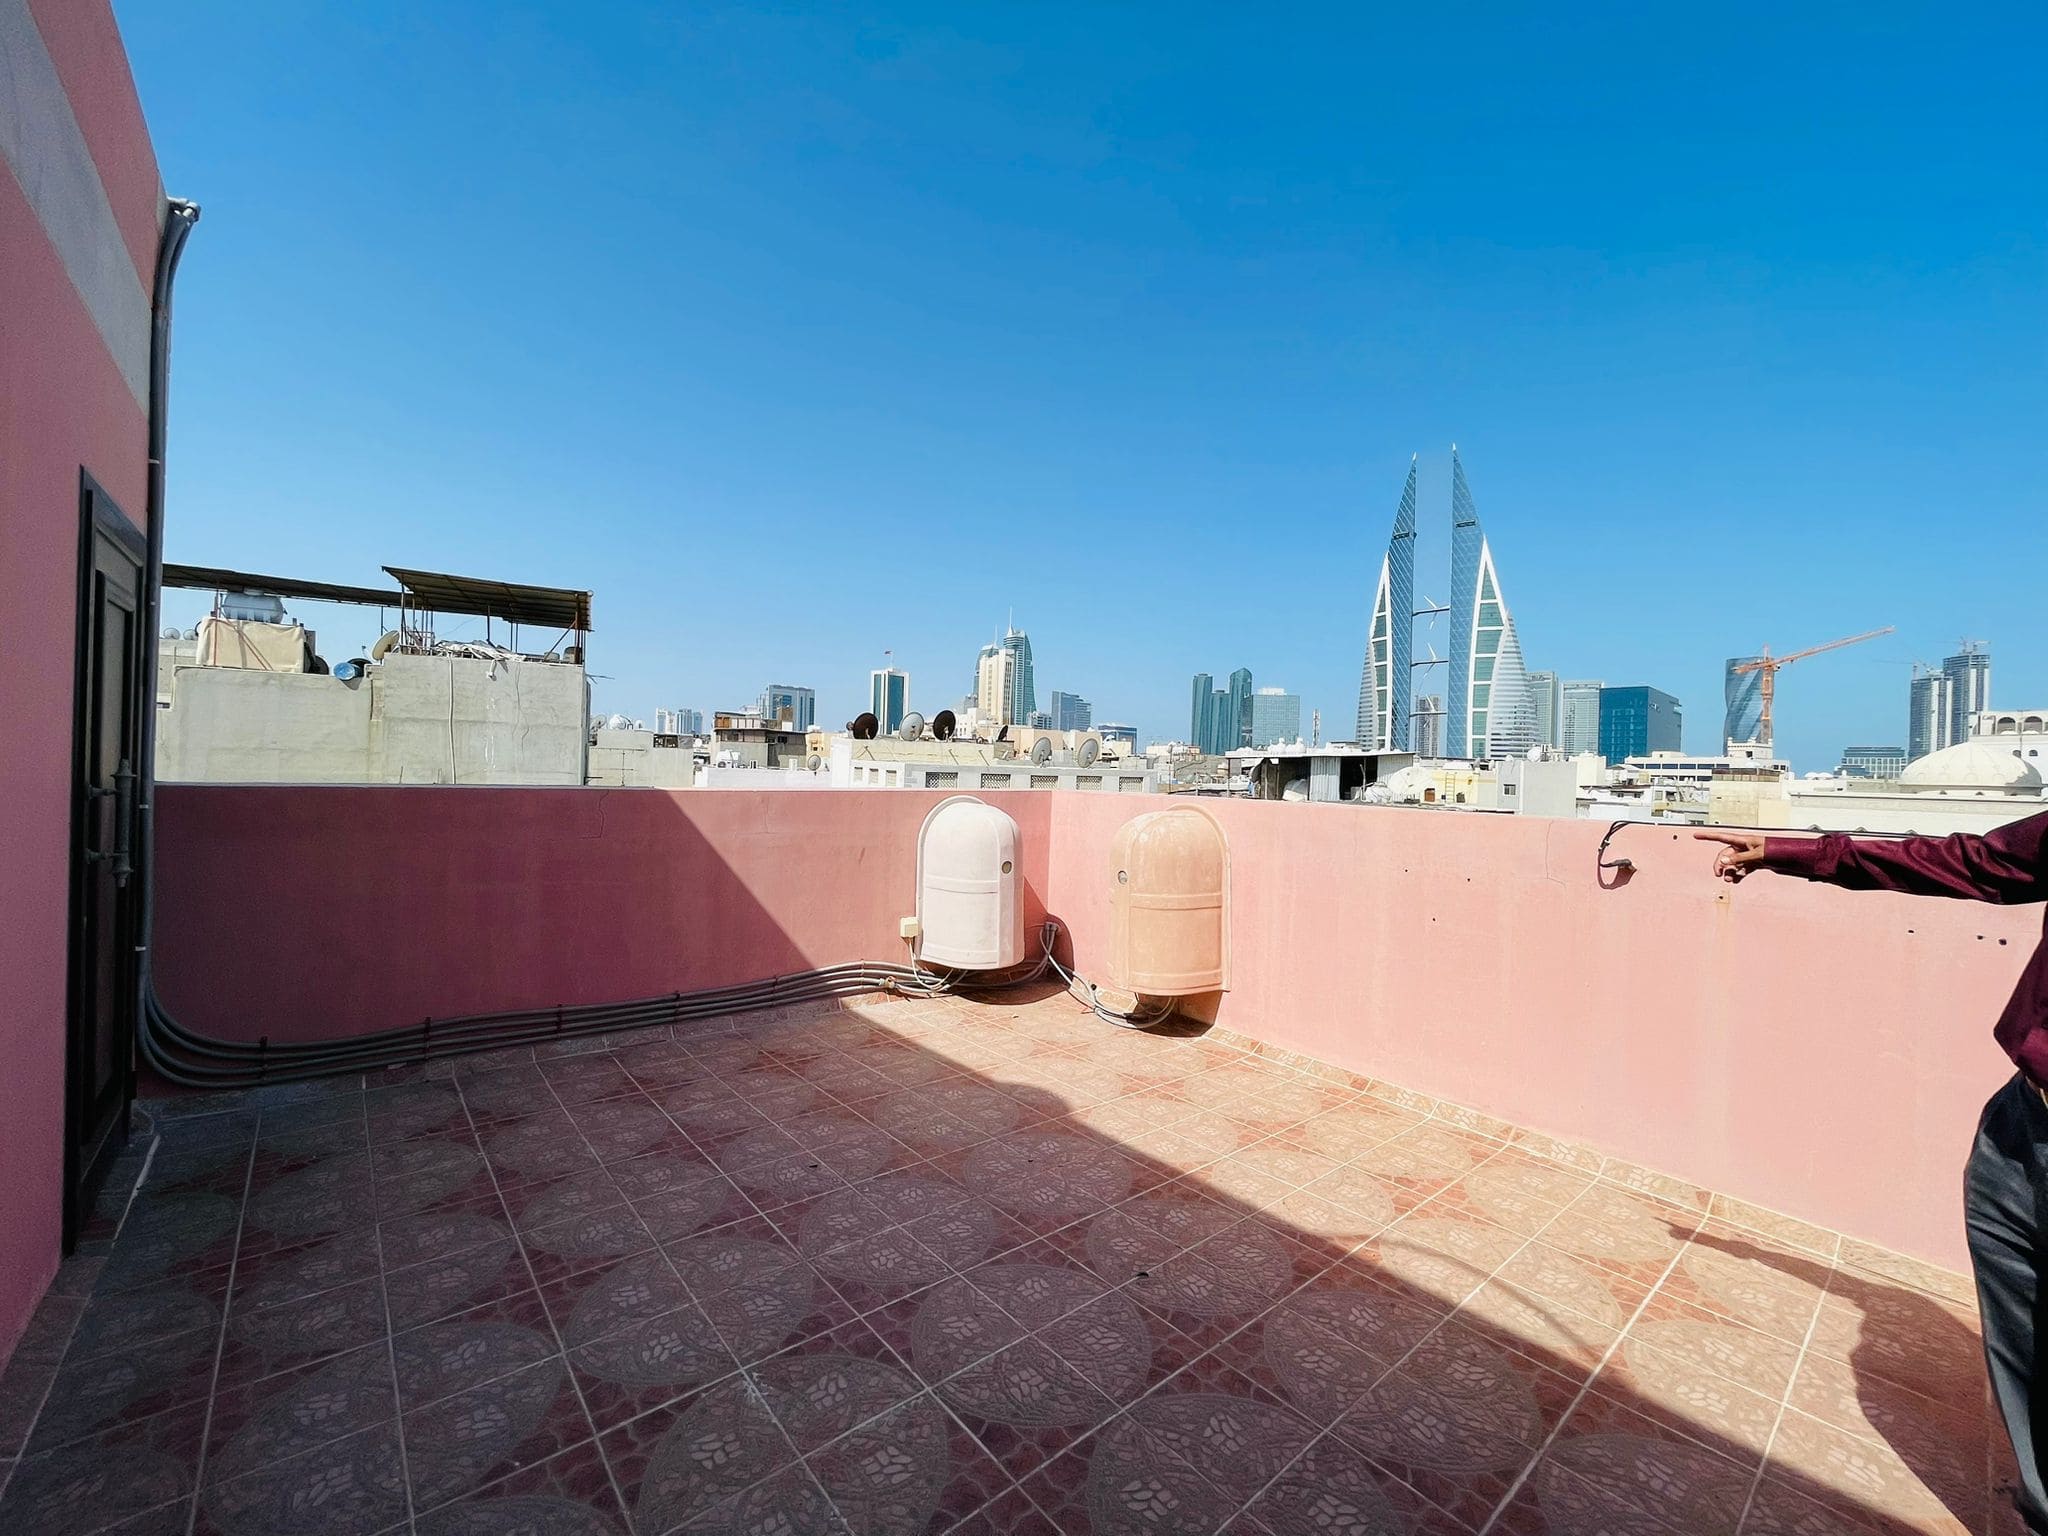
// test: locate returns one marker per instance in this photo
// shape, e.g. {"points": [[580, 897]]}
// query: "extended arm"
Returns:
{"points": [[2007, 865]]}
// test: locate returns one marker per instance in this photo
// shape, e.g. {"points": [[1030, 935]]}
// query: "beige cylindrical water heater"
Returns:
{"points": [[1168, 933]]}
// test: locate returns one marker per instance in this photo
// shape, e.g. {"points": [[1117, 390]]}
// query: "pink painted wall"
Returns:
{"points": [[63, 406], [310, 913], [1816, 1051], [85, 45], [1821, 1052]]}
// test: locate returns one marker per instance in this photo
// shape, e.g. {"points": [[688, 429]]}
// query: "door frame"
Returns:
{"points": [[98, 514]]}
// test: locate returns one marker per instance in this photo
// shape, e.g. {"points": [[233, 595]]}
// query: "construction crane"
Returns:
{"points": [[1767, 665]]}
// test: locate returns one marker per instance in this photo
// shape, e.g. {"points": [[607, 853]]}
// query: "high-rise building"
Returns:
{"points": [[1636, 721], [995, 685], [788, 701], [1039, 720], [1219, 723], [1511, 716], [1872, 762], [1488, 710], [1387, 681], [1429, 726], [1929, 719], [1543, 705], [889, 697], [1969, 681], [1071, 712], [1742, 693], [1578, 726], [679, 722], [1202, 712], [1276, 716], [1237, 723], [1025, 696]]}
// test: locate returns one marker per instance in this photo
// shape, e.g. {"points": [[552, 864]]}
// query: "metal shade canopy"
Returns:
{"points": [[436, 591], [211, 578], [553, 607]]}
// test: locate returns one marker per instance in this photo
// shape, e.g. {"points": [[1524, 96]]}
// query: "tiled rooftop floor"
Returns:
{"points": [[951, 1266]]}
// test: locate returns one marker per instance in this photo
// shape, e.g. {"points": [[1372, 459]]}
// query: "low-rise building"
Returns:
{"points": [[1324, 774], [632, 758], [744, 738], [2022, 732], [247, 698], [1970, 787], [966, 763], [1872, 762]]}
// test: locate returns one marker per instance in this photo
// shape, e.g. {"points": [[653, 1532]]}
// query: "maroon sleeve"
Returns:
{"points": [[2008, 864]]}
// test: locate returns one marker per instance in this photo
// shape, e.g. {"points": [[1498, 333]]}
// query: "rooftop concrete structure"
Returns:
{"points": [[410, 719], [632, 759]]}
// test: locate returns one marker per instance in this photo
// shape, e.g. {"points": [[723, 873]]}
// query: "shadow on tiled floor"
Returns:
{"points": [[953, 1266]]}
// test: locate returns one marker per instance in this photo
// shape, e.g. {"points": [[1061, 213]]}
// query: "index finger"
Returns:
{"points": [[1732, 839]]}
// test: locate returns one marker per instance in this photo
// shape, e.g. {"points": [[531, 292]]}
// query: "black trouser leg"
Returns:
{"points": [[2003, 1196]]}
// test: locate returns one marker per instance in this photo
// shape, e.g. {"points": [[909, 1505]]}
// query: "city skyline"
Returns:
{"points": [[909, 345], [836, 700]]}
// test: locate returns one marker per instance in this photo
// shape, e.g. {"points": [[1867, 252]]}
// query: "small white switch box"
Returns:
{"points": [[910, 928]]}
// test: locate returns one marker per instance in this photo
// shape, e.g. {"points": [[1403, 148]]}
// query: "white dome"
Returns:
{"points": [[1974, 765]]}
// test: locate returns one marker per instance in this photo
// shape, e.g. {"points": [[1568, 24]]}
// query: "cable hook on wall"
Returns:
{"points": [[1622, 868]]}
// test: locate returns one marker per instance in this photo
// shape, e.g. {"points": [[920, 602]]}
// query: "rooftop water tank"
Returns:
{"points": [[1169, 904], [967, 908]]}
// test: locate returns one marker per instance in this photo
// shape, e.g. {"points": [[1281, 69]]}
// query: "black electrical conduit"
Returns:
{"points": [[196, 1061]]}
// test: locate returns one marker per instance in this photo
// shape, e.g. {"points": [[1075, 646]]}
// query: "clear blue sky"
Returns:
{"points": [[796, 336]]}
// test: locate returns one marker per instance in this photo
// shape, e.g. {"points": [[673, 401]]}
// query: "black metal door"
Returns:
{"points": [[105, 896]]}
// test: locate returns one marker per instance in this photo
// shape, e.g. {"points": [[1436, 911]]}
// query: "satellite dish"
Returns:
{"points": [[816, 762], [1090, 750], [944, 724], [912, 726], [173, 633], [862, 727], [1041, 751], [347, 671]]}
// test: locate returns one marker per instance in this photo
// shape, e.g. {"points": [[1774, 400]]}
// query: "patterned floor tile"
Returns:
{"points": [[568, 1494], [1458, 1420], [138, 1477], [981, 1266], [470, 1438], [710, 1456], [344, 1486]]}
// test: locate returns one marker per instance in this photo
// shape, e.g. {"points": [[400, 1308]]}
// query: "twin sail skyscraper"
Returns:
{"points": [[1484, 708]]}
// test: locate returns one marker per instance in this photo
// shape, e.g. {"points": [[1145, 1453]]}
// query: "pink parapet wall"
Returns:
{"points": [[311, 913], [1821, 1052]]}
